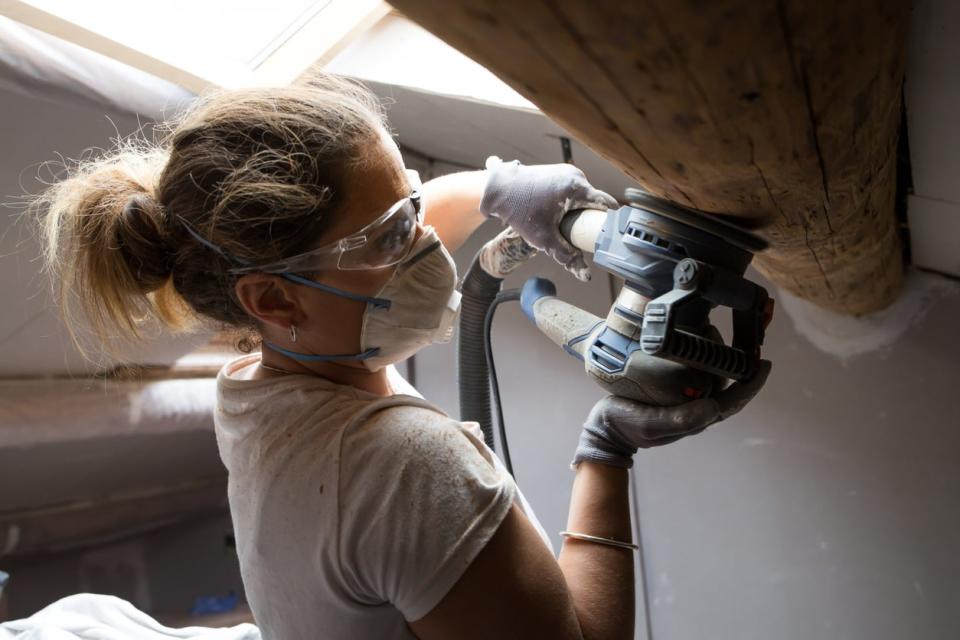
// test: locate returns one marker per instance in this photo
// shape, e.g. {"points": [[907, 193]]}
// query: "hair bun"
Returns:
{"points": [[143, 241]]}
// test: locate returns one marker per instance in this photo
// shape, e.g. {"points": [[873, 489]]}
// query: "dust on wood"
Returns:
{"points": [[783, 115]]}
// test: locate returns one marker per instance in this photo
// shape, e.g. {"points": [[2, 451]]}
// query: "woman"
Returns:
{"points": [[360, 510]]}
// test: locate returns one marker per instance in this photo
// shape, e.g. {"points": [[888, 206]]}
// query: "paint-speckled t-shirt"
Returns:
{"points": [[353, 513]]}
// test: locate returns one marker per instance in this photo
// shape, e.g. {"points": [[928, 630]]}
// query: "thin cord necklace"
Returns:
{"points": [[276, 369]]}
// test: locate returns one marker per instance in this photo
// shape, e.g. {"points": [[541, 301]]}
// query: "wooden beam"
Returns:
{"points": [[782, 114], [92, 522]]}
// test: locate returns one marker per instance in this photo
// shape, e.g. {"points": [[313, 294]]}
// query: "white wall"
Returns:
{"points": [[828, 509]]}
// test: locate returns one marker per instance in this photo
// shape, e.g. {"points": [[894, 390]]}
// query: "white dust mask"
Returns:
{"points": [[424, 305]]}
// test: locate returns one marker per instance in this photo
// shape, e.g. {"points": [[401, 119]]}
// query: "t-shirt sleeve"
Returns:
{"points": [[419, 499]]}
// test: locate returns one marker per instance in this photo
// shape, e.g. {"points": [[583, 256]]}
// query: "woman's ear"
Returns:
{"points": [[268, 298]]}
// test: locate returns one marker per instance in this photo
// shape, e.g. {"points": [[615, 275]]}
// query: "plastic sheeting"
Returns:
{"points": [[88, 616], [60, 100], [38, 65]]}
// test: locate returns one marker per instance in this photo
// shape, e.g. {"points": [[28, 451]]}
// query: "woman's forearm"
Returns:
{"points": [[452, 205], [600, 577]]}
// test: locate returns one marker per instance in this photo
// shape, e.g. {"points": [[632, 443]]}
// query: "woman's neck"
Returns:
{"points": [[375, 382]]}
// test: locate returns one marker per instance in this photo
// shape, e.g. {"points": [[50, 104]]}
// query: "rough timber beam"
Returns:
{"points": [[782, 114]]}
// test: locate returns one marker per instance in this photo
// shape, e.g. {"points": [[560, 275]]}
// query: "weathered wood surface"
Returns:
{"points": [[784, 115]]}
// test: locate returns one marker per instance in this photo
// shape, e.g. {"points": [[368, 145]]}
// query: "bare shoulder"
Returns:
{"points": [[513, 589]]}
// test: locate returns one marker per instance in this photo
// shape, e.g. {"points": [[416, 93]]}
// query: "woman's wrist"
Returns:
{"points": [[601, 471], [599, 503]]}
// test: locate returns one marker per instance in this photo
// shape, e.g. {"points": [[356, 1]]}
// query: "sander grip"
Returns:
{"points": [[582, 227], [564, 324]]}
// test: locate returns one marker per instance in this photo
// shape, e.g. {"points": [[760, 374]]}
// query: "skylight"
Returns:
{"points": [[242, 43], [225, 42]]}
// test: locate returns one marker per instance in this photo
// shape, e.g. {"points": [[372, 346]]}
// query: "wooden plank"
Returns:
{"points": [[782, 114]]}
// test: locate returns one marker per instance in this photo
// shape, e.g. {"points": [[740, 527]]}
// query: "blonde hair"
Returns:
{"points": [[258, 172]]}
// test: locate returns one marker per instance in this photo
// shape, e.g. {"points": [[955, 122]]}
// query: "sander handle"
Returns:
{"points": [[566, 325], [582, 227]]}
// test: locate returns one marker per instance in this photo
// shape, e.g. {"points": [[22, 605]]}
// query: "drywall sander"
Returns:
{"points": [[657, 344]]}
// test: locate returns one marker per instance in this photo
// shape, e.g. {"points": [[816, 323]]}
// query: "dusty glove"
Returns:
{"points": [[617, 427], [533, 200]]}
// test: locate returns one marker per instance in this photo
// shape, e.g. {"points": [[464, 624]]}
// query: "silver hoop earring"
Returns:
{"points": [[293, 333]]}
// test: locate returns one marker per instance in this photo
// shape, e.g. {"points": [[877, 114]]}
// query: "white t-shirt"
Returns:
{"points": [[353, 513]]}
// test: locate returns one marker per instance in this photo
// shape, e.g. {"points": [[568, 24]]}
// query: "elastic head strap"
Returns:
{"points": [[381, 303], [210, 245], [307, 357]]}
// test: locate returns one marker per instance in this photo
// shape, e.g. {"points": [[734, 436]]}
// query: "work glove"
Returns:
{"points": [[617, 427], [534, 199]]}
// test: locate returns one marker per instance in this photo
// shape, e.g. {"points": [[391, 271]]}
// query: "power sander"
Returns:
{"points": [[656, 344]]}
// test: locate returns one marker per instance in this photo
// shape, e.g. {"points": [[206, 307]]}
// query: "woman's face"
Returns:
{"points": [[332, 323]]}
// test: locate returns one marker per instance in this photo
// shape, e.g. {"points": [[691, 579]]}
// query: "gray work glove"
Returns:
{"points": [[534, 199], [617, 427]]}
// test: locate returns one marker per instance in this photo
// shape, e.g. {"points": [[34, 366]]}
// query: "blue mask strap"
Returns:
{"points": [[209, 245], [306, 357], [382, 303]]}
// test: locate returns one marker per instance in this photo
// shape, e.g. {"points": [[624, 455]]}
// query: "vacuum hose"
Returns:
{"points": [[479, 290], [494, 262]]}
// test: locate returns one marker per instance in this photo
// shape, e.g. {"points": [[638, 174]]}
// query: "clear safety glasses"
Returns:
{"points": [[383, 243]]}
